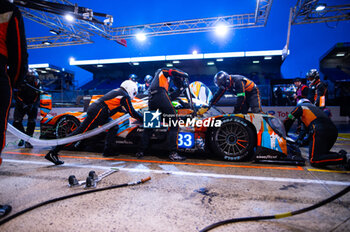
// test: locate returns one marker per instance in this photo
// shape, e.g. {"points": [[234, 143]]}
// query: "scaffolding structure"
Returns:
{"points": [[50, 13], [305, 12], [249, 20]]}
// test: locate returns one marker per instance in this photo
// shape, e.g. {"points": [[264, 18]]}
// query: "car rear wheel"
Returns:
{"points": [[234, 140], [65, 126]]}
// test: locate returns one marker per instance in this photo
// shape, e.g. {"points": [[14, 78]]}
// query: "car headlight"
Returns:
{"points": [[277, 126]]}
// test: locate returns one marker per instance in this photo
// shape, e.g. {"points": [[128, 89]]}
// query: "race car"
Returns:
{"points": [[233, 137]]}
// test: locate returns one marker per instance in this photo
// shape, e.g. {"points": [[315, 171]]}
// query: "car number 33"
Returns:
{"points": [[185, 140]]}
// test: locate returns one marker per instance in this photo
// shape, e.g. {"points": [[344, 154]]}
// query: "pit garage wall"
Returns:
{"points": [[280, 112]]}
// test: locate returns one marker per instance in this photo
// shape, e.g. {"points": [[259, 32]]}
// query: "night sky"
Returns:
{"points": [[308, 42]]}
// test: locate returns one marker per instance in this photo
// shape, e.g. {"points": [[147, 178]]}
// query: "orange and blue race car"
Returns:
{"points": [[233, 137]]}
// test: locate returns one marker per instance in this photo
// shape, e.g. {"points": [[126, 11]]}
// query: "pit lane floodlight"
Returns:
{"points": [[320, 7], [69, 17], [141, 36], [221, 30], [54, 32]]}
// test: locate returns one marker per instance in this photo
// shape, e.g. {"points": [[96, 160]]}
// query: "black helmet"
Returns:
{"points": [[313, 75], [133, 77], [148, 79], [297, 79], [31, 76], [222, 79]]}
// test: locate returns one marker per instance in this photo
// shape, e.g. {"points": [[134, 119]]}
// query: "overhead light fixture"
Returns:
{"points": [[169, 65], [219, 60], [54, 32], [141, 37], [320, 7], [136, 63], [195, 52], [99, 65], [46, 42], [69, 17], [340, 54], [256, 62], [221, 30], [267, 57], [176, 62], [210, 63]]}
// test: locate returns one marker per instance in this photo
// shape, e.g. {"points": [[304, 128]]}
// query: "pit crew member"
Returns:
{"points": [[99, 112]]}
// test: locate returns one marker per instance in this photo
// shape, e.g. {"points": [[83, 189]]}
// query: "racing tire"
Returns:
{"points": [[235, 140], [65, 126]]}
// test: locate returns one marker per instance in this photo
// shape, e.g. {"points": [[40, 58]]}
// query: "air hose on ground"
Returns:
{"points": [[9, 218], [278, 216]]}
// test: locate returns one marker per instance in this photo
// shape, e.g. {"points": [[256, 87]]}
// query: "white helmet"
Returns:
{"points": [[130, 87], [302, 101]]}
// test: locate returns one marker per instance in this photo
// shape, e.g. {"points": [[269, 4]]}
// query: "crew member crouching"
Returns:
{"points": [[323, 135]]}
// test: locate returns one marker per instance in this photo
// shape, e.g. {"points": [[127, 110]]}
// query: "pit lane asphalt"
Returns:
{"points": [[182, 196]]}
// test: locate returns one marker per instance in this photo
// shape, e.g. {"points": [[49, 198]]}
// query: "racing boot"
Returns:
{"points": [[21, 143], [28, 145], [53, 157], [140, 155], [109, 152], [4, 210], [174, 156]]}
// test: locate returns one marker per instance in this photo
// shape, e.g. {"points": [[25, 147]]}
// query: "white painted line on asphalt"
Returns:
{"points": [[141, 166], [169, 168], [182, 173], [119, 162]]}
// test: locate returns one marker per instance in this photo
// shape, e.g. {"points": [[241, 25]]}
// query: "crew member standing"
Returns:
{"points": [[323, 134], [302, 90], [246, 91], [99, 112], [159, 99], [27, 103], [317, 89], [13, 66]]}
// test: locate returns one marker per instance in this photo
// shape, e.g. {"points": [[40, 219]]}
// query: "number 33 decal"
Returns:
{"points": [[185, 140]]}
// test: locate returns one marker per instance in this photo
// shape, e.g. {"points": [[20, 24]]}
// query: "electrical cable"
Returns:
{"points": [[278, 216], [9, 218]]}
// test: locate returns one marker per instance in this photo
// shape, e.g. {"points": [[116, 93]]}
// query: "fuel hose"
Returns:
{"points": [[71, 139], [9, 218], [278, 216]]}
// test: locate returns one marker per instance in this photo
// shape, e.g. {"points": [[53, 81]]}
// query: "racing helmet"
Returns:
{"points": [[181, 80], [32, 75], [303, 101], [222, 79], [148, 79], [133, 77], [313, 75], [130, 87]]}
